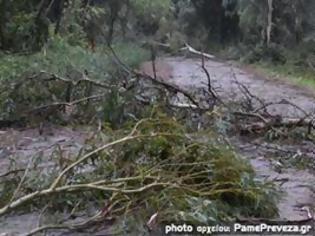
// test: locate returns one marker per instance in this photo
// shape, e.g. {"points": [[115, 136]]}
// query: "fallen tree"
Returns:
{"points": [[159, 169], [156, 159]]}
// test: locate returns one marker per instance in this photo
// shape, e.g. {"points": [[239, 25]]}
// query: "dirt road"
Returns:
{"points": [[187, 73]]}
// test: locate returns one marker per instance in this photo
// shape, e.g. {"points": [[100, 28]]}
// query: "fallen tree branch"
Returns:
{"points": [[281, 102], [194, 51], [187, 48], [169, 87], [210, 90], [54, 189], [18, 188], [59, 104], [139, 75], [11, 172], [257, 127], [76, 226], [52, 77], [248, 95]]}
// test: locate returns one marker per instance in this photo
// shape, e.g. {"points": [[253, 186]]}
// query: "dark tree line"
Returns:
{"points": [[221, 20], [24, 25]]}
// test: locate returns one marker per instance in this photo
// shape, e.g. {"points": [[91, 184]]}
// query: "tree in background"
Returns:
{"points": [[220, 18], [285, 22], [24, 25]]}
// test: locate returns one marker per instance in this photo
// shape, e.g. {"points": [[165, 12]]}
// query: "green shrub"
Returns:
{"points": [[63, 60]]}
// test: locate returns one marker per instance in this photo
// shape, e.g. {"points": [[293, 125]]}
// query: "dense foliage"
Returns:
{"points": [[26, 26]]}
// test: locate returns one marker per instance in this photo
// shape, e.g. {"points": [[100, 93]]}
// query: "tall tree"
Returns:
{"points": [[269, 21]]}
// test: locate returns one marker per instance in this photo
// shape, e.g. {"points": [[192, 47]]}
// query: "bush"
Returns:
{"points": [[19, 93], [274, 53]]}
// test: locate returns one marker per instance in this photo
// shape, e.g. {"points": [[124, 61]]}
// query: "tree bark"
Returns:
{"points": [[3, 10], [60, 15], [114, 9], [269, 22]]}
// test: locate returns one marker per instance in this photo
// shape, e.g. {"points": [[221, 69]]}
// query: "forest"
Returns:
{"points": [[143, 117]]}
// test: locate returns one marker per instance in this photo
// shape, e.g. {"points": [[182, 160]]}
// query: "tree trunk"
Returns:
{"points": [[269, 22], [298, 27], [60, 14], [3, 10], [114, 9]]}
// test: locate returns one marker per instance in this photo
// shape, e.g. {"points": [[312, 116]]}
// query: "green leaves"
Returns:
{"points": [[22, 29], [69, 62], [155, 8]]}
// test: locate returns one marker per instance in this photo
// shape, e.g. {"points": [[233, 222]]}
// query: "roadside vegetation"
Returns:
{"points": [[295, 74]]}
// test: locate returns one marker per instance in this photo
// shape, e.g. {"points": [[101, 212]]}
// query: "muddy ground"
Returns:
{"points": [[17, 147], [296, 183]]}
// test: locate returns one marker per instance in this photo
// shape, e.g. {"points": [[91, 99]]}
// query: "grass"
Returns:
{"points": [[298, 75], [291, 64], [59, 57], [65, 60]]}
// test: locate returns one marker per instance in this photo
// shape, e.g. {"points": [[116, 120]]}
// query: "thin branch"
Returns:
{"points": [[153, 58], [59, 104], [210, 90], [138, 74], [54, 189], [96, 217], [18, 188], [52, 77], [194, 51], [11, 172]]}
